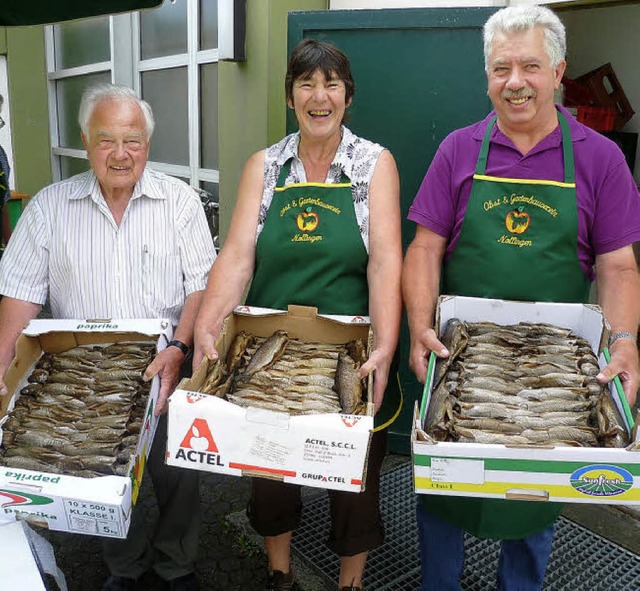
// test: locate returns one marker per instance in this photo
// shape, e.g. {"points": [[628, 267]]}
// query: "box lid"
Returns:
{"points": [[147, 326]]}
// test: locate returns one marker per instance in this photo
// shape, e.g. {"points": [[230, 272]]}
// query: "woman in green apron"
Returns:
{"points": [[317, 223]]}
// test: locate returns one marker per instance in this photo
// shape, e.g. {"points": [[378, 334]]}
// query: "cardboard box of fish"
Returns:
{"points": [[516, 412], [78, 425], [283, 401]]}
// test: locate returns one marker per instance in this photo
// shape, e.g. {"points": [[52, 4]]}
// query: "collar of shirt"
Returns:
{"points": [[553, 140], [90, 187], [341, 160]]}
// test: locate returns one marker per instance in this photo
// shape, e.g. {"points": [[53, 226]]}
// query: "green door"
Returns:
{"points": [[419, 75]]}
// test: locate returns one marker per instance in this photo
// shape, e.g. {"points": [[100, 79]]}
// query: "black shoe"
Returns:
{"points": [[184, 583], [351, 588], [114, 583], [279, 581]]}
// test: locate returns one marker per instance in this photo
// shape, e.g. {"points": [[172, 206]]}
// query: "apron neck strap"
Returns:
{"points": [[567, 149], [286, 167], [284, 173], [481, 165]]}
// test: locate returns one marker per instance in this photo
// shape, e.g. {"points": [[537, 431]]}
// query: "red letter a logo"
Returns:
{"points": [[199, 437]]}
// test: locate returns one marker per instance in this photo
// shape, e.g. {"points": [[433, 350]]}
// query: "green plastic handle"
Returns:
{"points": [[426, 394]]}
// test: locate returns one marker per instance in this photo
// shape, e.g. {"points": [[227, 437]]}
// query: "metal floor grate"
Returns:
{"points": [[580, 560]]}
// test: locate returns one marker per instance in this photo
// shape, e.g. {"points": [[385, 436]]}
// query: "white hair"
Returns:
{"points": [[93, 95], [523, 18]]}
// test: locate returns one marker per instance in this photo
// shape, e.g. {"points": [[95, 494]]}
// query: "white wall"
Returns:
{"points": [[348, 4], [596, 36], [5, 132]]}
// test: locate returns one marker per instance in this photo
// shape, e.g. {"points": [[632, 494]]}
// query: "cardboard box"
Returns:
{"points": [[18, 566], [564, 474], [25, 558], [322, 450], [98, 506]]}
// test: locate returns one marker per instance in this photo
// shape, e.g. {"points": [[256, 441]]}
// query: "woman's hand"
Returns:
{"points": [[379, 362], [204, 344]]}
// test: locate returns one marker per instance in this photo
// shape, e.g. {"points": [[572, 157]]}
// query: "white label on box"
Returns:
{"points": [[92, 518], [268, 417], [462, 471], [271, 451]]}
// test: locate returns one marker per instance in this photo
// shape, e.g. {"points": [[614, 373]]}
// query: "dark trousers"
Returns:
{"points": [[356, 524], [521, 567], [172, 545]]}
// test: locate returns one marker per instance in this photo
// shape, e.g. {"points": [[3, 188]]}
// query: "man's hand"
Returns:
{"points": [[624, 363], [14, 316], [167, 365], [421, 346], [378, 362]]}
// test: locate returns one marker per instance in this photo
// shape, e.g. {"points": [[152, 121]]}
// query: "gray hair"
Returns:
{"points": [[104, 92], [523, 18]]}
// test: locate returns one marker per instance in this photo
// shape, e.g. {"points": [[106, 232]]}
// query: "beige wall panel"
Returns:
{"points": [[29, 108]]}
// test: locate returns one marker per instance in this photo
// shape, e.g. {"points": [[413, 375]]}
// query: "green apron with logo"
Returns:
{"points": [[518, 241], [310, 252]]}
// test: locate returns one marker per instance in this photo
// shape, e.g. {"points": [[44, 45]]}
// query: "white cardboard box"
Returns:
{"points": [[25, 558], [18, 567], [564, 474], [322, 450], [97, 506]]}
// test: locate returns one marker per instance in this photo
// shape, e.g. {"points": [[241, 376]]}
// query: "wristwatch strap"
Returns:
{"points": [[184, 348], [621, 335]]}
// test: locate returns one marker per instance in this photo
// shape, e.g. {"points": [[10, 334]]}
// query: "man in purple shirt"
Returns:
{"points": [[525, 205]]}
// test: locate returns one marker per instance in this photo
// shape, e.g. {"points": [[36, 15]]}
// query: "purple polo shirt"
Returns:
{"points": [[608, 199]]}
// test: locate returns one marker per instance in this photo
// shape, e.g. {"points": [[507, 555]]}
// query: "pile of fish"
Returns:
{"points": [[521, 384], [288, 375], [81, 412]]}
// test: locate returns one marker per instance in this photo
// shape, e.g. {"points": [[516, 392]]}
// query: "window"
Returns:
{"points": [[169, 56]]}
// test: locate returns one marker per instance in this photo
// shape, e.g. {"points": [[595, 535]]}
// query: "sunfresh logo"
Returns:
{"points": [[9, 498], [602, 480]]}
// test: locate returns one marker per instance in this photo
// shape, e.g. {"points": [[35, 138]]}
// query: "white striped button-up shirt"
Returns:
{"points": [[67, 245]]}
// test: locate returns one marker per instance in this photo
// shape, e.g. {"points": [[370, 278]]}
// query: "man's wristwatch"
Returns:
{"points": [[184, 348], [621, 335]]}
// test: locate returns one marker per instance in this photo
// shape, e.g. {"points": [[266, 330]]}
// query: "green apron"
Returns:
{"points": [[518, 241], [310, 252]]}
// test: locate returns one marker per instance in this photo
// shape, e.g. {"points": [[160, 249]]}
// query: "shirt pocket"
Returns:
{"points": [[162, 281]]}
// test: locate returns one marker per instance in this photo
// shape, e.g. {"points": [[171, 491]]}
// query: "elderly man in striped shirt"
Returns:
{"points": [[119, 241]]}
